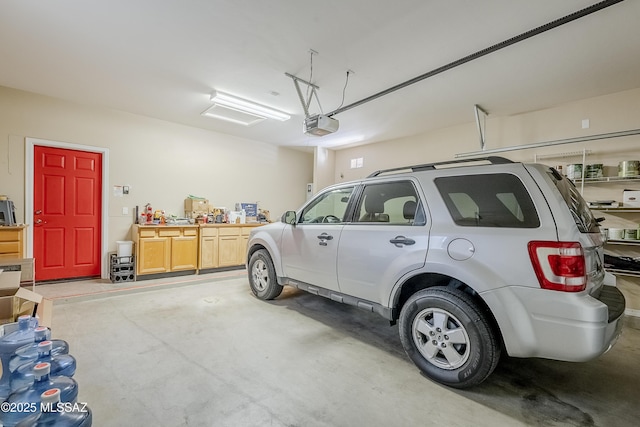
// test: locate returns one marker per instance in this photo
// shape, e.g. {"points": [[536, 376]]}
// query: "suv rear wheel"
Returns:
{"points": [[448, 337], [262, 276]]}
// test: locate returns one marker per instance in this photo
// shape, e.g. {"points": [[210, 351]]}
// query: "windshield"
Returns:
{"points": [[580, 211]]}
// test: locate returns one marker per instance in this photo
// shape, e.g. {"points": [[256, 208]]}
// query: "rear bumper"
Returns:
{"points": [[557, 325]]}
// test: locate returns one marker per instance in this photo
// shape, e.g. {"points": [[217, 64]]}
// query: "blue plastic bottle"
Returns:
{"points": [[55, 414], [9, 343], [29, 398], [29, 352], [61, 364]]}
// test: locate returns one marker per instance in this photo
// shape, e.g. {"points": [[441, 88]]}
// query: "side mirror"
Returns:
{"points": [[289, 217]]}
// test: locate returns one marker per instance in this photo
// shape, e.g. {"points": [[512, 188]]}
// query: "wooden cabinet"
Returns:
{"points": [[208, 248], [229, 244], [165, 249], [12, 241], [223, 245]]}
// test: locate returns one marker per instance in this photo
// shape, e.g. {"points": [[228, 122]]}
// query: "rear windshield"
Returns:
{"points": [[579, 209], [488, 200]]}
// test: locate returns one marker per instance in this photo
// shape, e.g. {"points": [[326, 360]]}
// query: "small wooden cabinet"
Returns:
{"points": [[223, 245], [208, 257], [165, 248], [12, 241]]}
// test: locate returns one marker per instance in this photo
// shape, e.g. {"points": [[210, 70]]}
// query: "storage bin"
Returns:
{"points": [[125, 248]]}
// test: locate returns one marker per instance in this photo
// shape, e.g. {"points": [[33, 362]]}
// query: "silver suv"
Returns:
{"points": [[487, 257]]}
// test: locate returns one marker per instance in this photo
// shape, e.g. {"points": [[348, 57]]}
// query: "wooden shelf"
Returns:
{"points": [[615, 210], [621, 272], [608, 179], [629, 242]]}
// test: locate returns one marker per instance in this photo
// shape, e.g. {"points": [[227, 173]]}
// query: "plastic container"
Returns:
{"points": [[61, 364], [125, 248], [27, 397], [55, 414], [9, 343], [29, 352]]}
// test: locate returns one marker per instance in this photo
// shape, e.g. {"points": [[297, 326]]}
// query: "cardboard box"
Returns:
{"points": [[23, 265], [196, 205], [631, 198], [16, 301]]}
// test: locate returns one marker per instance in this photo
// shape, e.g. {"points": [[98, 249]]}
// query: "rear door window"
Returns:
{"points": [[488, 200], [395, 203]]}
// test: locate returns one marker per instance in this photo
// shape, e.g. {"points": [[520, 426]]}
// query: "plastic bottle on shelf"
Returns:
{"points": [[55, 414], [29, 352], [9, 343], [29, 398], [60, 364]]}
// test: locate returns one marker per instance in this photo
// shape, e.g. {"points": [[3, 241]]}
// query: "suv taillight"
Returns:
{"points": [[560, 266]]}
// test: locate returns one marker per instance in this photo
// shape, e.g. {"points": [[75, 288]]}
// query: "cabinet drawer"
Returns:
{"points": [[190, 232], [247, 230], [10, 235], [10, 248], [209, 231], [170, 232], [149, 232], [230, 231]]}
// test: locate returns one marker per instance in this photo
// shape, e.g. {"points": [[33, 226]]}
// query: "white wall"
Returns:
{"points": [[610, 113], [162, 162]]}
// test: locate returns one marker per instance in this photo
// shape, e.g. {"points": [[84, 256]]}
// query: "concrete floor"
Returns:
{"points": [[202, 351]]}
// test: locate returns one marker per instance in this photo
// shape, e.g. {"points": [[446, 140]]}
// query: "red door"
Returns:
{"points": [[67, 213]]}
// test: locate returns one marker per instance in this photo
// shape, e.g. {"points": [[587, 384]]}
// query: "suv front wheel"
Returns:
{"points": [[262, 276], [448, 337]]}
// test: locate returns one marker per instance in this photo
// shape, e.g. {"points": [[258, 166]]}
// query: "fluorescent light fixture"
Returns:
{"points": [[259, 112]]}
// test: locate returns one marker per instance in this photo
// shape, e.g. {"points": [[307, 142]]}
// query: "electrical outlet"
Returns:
{"points": [[585, 123], [125, 211]]}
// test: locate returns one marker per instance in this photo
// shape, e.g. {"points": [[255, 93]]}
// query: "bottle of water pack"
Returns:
{"points": [[61, 364], [9, 343], [56, 414], [26, 401], [29, 352]]}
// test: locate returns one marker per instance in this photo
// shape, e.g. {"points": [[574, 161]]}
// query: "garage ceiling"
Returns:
{"points": [[162, 59]]}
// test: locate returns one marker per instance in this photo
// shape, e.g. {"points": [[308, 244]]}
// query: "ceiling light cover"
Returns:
{"points": [[245, 106]]}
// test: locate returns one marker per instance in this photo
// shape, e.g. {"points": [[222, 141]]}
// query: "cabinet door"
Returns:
{"points": [[228, 246], [154, 255], [184, 253], [208, 252]]}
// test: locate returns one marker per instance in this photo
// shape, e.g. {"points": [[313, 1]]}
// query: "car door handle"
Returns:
{"points": [[323, 239], [401, 240]]}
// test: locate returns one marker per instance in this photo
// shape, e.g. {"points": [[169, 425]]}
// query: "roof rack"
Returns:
{"points": [[494, 160]]}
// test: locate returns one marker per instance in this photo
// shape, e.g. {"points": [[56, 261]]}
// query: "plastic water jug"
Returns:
{"points": [[55, 414], [9, 343], [29, 352], [29, 398], [60, 364]]}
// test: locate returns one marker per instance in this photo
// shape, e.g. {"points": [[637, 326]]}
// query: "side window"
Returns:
{"points": [[329, 207], [390, 203], [490, 200]]}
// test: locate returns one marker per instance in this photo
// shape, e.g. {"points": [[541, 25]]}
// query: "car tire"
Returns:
{"points": [[262, 276], [448, 337]]}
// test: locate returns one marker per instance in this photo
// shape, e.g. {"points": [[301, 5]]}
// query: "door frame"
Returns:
{"points": [[28, 196]]}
